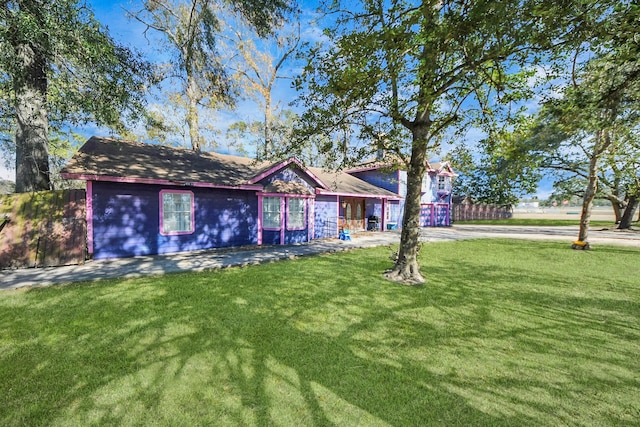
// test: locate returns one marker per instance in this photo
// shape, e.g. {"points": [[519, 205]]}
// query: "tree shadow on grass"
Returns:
{"points": [[246, 347], [579, 333]]}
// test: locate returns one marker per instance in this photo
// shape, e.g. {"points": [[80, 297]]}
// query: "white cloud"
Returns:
{"points": [[314, 34], [540, 74], [6, 173]]}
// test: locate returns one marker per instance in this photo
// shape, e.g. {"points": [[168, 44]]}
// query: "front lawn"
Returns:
{"points": [[504, 333]]}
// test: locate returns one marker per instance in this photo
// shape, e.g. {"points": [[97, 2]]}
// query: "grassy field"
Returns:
{"points": [[494, 338], [541, 222], [598, 213]]}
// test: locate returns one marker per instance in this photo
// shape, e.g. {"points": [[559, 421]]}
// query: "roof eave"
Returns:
{"points": [[136, 180], [322, 192]]}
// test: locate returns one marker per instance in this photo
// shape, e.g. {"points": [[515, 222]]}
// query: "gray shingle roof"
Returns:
{"points": [[111, 159], [344, 183], [106, 157], [394, 163]]}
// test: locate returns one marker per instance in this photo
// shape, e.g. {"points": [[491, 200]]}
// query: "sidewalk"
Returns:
{"points": [[183, 262], [216, 259]]}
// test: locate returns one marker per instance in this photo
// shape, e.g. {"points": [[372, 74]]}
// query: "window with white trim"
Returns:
{"points": [[271, 212], [176, 212], [426, 180], [442, 183], [295, 214]]}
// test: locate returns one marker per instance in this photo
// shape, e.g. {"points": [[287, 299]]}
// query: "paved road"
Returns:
{"points": [[209, 260]]}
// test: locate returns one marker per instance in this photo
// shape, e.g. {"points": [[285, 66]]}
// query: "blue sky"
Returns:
{"points": [[131, 33]]}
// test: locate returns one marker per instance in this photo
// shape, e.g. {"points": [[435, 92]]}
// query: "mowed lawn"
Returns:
{"points": [[504, 333]]}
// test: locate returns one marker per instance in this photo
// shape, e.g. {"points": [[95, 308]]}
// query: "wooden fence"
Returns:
{"points": [[468, 212], [43, 229]]}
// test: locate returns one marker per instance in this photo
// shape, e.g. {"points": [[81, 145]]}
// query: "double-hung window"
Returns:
{"points": [[295, 215], [442, 183], [176, 212], [271, 212], [426, 180]]}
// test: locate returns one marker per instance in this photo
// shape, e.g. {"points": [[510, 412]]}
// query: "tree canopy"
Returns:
{"points": [[404, 76], [589, 133], [498, 170], [195, 75], [258, 65], [59, 66]]}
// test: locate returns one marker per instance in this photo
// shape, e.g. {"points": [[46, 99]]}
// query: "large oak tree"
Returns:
{"points": [[404, 75], [59, 66], [590, 133]]}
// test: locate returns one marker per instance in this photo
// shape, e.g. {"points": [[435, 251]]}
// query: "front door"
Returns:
{"points": [[353, 214]]}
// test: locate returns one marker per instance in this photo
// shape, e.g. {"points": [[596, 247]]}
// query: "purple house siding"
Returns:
{"points": [[274, 237], [146, 199], [296, 236], [271, 237], [442, 215], [436, 203], [435, 215], [122, 223], [383, 179], [325, 217], [373, 207], [126, 220], [426, 215], [223, 218], [430, 193]]}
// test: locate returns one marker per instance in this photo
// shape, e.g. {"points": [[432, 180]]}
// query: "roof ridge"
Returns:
{"points": [[171, 147]]}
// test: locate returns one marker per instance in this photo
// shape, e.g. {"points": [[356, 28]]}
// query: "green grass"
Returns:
{"points": [[540, 222], [504, 333]]}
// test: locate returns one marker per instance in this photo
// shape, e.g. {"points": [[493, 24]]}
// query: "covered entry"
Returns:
{"points": [[353, 213]]}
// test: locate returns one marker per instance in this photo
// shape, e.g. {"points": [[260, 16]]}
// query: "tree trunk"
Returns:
{"points": [[407, 269], [193, 120], [268, 146], [627, 217], [32, 131], [587, 205], [590, 192], [618, 208]]}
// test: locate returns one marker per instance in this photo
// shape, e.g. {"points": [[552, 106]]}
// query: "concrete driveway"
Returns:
{"points": [[216, 259]]}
